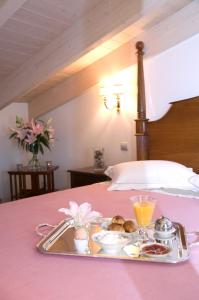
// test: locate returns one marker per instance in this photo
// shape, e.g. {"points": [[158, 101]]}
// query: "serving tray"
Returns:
{"points": [[60, 241]]}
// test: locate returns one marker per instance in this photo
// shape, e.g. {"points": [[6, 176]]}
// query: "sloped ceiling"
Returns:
{"points": [[45, 43]]}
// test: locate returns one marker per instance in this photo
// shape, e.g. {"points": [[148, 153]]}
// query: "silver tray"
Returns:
{"points": [[60, 241]]}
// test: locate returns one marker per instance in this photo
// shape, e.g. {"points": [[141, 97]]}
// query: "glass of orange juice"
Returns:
{"points": [[143, 206]]}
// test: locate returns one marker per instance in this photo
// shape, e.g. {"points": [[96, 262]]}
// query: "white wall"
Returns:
{"points": [[10, 154], [85, 123], [171, 76]]}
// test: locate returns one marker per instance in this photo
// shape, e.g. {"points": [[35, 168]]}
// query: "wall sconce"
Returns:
{"points": [[111, 96]]}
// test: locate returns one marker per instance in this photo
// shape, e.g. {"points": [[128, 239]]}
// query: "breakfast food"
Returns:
{"points": [[115, 227], [112, 239], [118, 223], [129, 226], [155, 249], [118, 220]]}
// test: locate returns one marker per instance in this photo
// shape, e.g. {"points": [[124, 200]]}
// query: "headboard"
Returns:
{"points": [[175, 136]]}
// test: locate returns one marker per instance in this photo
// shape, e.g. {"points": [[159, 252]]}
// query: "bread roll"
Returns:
{"points": [[115, 227], [129, 226], [118, 220]]}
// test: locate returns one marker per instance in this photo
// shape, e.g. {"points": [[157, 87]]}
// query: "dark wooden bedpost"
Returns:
{"points": [[141, 121]]}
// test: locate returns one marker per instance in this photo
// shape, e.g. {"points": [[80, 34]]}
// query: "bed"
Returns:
{"points": [[28, 274]]}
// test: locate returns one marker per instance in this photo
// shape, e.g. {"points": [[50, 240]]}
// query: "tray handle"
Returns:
{"points": [[195, 242], [44, 225]]}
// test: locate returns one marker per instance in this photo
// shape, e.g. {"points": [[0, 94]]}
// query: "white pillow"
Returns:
{"points": [[148, 174], [194, 180]]}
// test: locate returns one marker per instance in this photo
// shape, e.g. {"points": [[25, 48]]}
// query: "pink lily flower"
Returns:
{"points": [[37, 127], [30, 138]]}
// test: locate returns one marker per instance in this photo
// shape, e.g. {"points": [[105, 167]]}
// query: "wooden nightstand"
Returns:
{"points": [[86, 176], [42, 182]]}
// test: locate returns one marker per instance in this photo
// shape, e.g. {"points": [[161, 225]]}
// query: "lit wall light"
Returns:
{"points": [[111, 96]]}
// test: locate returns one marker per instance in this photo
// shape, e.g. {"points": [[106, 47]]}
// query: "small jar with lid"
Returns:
{"points": [[164, 227]]}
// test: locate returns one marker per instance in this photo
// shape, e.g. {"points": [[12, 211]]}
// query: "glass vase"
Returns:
{"points": [[34, 161], [98, 156]]}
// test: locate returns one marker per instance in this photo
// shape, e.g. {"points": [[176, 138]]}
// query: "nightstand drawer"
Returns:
{"points": [[86, 176]]}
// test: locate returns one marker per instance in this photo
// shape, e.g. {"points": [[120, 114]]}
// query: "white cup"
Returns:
{"points": [[81, 245]]}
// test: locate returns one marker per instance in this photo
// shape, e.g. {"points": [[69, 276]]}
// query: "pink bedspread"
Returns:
{"points": [[27, 274]]}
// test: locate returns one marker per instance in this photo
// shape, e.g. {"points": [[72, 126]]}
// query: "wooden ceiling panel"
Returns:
{"points": [[50, 9], [72, 8], [17, 47], [11, 60], [21, 39], [24, 29], [35, 24], [37, 19], [6, 67], [11, 52]]}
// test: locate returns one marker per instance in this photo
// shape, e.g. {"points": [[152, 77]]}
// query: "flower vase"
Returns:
{"points": [[99, 159], [34, 161]]}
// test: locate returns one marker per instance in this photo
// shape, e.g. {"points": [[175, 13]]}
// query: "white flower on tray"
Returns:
{"points": [[81, 214]]}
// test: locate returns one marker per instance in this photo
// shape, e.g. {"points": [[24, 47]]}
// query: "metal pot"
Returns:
{"points": [[163, 225]]}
